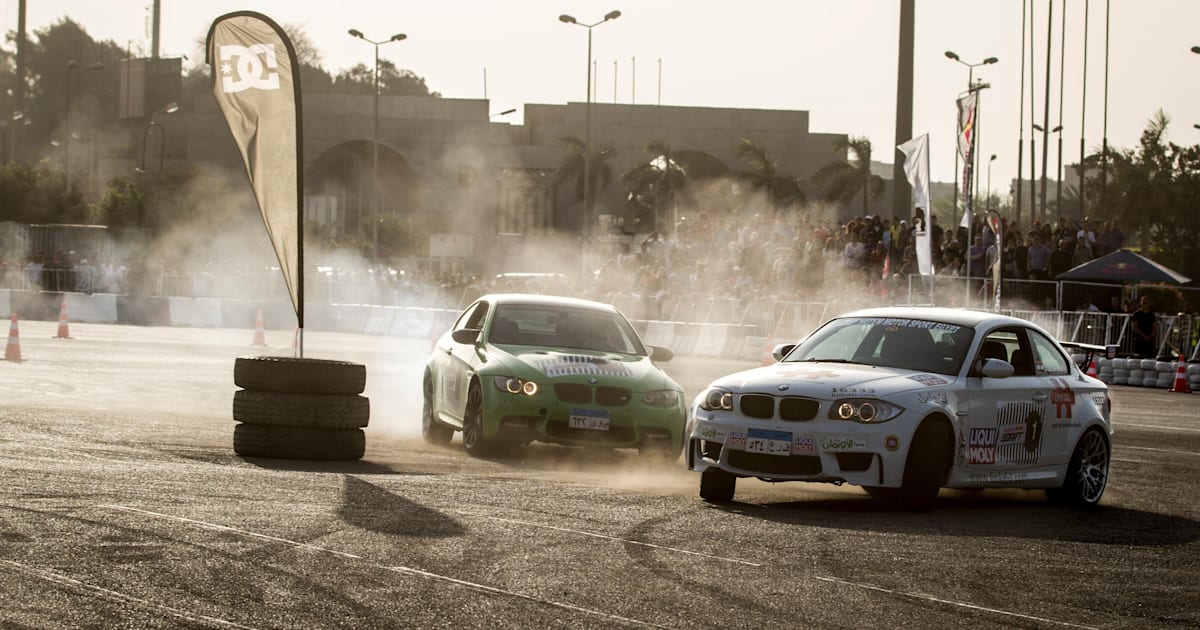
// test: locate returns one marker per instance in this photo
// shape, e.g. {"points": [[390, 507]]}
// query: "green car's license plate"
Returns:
{"points": [[594, 420]]}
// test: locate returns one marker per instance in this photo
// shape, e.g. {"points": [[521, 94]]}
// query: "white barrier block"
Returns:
{"points": [[379, 321], [91, 309], [5, 303], [660, 333], [194, 312]]}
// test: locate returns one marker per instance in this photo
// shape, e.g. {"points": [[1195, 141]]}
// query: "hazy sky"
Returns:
{"points": [[834, 58]]}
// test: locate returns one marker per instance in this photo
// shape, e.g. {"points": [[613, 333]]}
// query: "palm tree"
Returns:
{"points": [[573, 168], [843, 181], [763, 175], [655, 185]]}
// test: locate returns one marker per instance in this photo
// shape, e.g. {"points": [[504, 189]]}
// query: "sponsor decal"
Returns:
{"points": [[853, 391], [929, 380], [812, 375], [841, 443], [998, 477], [981, 447], [934, 398], [248, 72], [1066, 425], [891, 443], [1022, 423], [712, 434], [1062, 397], [803, 444], [579, 365], [892, 322], [736, 438]]}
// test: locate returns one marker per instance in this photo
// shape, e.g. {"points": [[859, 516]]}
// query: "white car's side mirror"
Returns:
{"points": [[781, 351], [996, 368]]}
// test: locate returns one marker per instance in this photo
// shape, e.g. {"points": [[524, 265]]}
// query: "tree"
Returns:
{"points": [[572, 168], [654, 186], [392, 81], [763, 176], [844, 180]]}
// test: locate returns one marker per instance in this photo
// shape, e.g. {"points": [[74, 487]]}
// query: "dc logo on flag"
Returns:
{"points": [[249, 73]]}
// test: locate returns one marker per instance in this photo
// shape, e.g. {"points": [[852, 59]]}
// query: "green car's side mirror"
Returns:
{"points": [[661, 354], [465, 335]]}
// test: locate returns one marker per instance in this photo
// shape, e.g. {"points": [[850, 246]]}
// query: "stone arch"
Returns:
{"points": [[343, 173]]}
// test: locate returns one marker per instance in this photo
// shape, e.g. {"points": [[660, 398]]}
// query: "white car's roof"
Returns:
{"points": [[956, 316], [545, 300]]}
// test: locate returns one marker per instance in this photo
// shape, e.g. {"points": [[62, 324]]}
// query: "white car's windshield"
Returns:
{"points": [[909, 344], [563, 327]]}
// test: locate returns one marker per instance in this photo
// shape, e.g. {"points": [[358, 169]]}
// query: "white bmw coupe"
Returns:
{"points": [[904, 401]]}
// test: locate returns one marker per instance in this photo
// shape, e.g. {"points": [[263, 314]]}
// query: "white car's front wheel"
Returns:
{"points": [[717, 485], [1087, 474]]}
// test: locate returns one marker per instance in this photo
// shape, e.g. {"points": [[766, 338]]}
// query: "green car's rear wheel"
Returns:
{"points": [[433, 431]]}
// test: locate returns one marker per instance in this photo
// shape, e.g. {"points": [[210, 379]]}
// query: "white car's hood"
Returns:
{"points": [[829, 380]]}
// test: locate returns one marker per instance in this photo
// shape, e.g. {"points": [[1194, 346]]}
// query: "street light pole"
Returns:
{"points": [[71, 66], [375, 196], [587, 141], [951, 55], [170, 108]]}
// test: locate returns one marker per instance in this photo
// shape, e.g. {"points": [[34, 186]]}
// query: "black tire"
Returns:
{"points": [[257, 440], [317, 411], [472, 434], [1087, 474], [433, 431], [717, 485], [926, 468], [293, 375]]}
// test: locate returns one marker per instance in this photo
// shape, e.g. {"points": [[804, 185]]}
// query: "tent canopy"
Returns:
{"points": [[1123, 266]]}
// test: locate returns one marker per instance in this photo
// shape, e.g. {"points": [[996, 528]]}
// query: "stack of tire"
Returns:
{"points": [[1104, 370], [1166, 374], [299, 408], [1120, 369], [1193, 375]]}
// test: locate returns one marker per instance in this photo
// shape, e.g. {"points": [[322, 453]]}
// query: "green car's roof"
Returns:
{"points": [[546, 300]]}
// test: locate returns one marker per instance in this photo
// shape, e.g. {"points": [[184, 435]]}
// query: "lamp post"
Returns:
{"points": [[1058, 190], [951, 55], [71, 67], [375, 197], [170, 108], [587, 141], [503, 113]]}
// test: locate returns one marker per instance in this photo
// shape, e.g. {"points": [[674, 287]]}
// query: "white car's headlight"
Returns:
{"points": [[716, 399], [661, 398], [514, 385], [867, 411]]}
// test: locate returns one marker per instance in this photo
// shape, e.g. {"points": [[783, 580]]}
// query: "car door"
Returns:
{"points": [[1052, 367], [1007, 416], [457, 360]]}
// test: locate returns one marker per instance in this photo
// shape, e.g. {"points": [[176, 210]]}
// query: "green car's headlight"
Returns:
{"points": [[716, 399], [514, 385], [867, 411], [661, 398]]}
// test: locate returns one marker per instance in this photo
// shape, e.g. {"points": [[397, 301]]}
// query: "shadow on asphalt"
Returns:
{"points": [[1003, 513], [373, 508]]}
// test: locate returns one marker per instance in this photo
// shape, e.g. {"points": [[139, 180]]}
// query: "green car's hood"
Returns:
{"points": [[554, 365]]}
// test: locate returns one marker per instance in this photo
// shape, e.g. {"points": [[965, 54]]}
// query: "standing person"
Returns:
{"points": [[1144, 325], [1060, 259], [1039, 257]]}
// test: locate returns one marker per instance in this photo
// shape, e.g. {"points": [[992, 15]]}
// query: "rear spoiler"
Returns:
{"points": [[1088, 350]]}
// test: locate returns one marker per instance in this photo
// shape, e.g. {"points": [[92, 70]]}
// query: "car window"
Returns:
{"points": [[472, 318], [909, 344], [1047, 356], [564, 327]]}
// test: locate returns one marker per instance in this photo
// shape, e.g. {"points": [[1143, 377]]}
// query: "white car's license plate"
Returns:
{"points": [[769, 442], [588, 419]]}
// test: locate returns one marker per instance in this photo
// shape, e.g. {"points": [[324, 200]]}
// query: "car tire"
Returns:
{"points": [[1087, 474], [717, 485], [298, 375], [433, 431], [318, 411], [258, 440], [474, 441], [926, 467]]}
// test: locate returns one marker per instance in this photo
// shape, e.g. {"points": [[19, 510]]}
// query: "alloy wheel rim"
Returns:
{"points": [[427, 411], [1093, 467], [471, 426]]}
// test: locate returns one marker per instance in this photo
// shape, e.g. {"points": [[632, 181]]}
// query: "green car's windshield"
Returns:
{"points": [[909, 344], [563, 327]]}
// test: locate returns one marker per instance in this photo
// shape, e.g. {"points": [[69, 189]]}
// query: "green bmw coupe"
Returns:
{"points": [[515, 369]]}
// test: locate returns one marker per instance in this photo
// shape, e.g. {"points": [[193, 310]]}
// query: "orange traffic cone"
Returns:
{"points": [[260, 335], [12, 352], [1091, 371], [64, 330], [1181, 384]]}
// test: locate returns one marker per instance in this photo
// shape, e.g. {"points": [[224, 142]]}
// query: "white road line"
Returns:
{"points": [[1132, 461], [396, 569], [1118, 425], [612, 538], [59, 578], [1157, 450], [950, 602]]}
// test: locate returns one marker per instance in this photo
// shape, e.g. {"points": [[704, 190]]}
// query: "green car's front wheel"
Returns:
{"points": [[473, 440]]}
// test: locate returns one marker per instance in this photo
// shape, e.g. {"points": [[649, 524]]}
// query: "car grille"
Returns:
{"points": [[775, 464], [790, 409], [613, 396], [613, 434], [582, 394], [573, 393], [854, 462]]}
